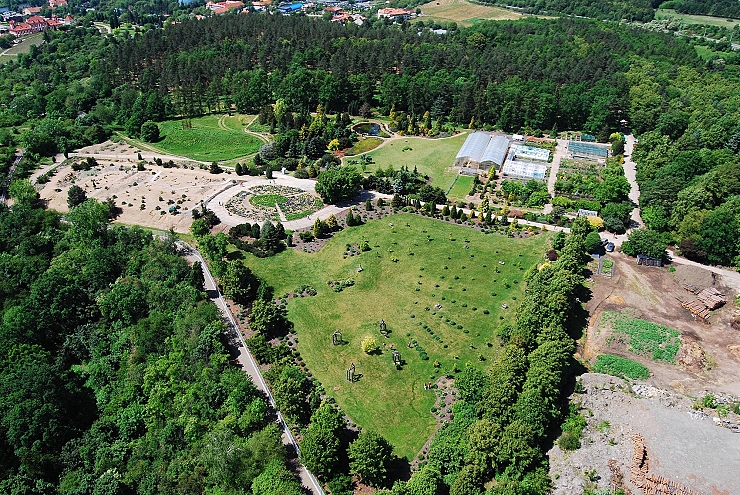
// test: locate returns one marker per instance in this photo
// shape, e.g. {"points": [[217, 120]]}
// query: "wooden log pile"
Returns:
{"points": [[652, 484], [696, 308], [711, 297], [692, 288]]}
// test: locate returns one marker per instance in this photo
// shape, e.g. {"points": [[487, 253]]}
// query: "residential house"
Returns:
{"points": [[392, 12], [31, 11], [34, 24]]}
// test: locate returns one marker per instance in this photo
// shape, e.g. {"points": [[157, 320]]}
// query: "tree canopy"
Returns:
{"points": [[334, 185]]}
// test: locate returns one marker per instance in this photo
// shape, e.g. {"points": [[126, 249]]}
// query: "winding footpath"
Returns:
{"points": [[249, 365]]}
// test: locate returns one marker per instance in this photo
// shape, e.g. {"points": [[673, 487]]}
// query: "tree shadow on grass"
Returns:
{"points": [[235, 255]]}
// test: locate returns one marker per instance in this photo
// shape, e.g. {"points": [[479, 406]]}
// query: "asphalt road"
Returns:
{"points": [[249, 365]]}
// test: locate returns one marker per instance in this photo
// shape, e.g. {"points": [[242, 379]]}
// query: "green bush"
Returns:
{"points": [[569, 441], [621, 367]]}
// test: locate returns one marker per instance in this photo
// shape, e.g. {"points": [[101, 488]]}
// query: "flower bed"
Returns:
{"points": [[262, 203]]}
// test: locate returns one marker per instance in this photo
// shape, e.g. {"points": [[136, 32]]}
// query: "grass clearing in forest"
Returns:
{"points": [[211, 138], [433, 267], [705, 53], [432, 157], [642, 337], [704, 20], [465, 13]]}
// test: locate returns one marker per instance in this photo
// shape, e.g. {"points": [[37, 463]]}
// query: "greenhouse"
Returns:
{"points": [[482, 150]]}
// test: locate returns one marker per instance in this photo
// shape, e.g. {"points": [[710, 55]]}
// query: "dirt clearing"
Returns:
{"points": [[156, 197], [708, 357]]}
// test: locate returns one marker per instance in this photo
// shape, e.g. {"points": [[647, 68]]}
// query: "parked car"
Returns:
{"points": [[610, 247]]}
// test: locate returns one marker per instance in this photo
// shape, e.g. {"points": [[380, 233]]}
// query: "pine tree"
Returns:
{"points": [[350, 218]]}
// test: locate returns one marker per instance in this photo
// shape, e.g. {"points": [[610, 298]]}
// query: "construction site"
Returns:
{"points": [[660, 435]]}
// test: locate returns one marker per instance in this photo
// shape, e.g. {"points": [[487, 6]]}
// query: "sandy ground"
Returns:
{"points": [[683, 445], [137, 193]]}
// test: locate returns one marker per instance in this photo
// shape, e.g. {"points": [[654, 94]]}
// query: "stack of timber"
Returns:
{"points": [[697, 308], [649, 483], [711, 297], [692, 288]]}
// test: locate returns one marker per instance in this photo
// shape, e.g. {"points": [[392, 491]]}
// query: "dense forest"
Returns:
{"points": [[532, 74], [633, 10], [114, 375]]}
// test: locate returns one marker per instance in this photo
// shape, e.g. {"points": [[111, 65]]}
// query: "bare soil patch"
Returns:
{"points": [[683, 445], [706, 358]]}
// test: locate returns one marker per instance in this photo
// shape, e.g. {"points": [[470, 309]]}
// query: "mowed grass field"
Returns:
{"points": [[465, 13], [211, 138], [24, 46], [433, 267], [461, 187], [432, 157], [696, 19]]}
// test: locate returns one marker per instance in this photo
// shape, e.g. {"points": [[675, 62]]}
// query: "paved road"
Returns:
{"points": [[249, 365], [730, 277], [560, 153], [630, 172], [9, 178]]}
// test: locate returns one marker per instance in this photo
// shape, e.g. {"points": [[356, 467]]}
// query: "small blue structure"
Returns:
{"points": [[293, 7]]}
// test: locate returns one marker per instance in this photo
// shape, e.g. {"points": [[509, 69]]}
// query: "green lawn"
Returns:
{"points": [[433, 267], [705, 53], [207, 140], [363, 145], [23, 46], [461, 187], [268, 200], [465, 13], [695, 19], [432, 157]]}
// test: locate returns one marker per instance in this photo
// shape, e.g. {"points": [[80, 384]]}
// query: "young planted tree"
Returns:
{"points": [[75, 196]]}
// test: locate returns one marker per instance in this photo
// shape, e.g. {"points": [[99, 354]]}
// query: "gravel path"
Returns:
{"points": [[560, 152]]}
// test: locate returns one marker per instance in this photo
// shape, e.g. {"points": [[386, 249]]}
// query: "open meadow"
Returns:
{"points": [[432, 157], [211, 138], [23, 46], [444, 296], [465, 13], [705, 20]]}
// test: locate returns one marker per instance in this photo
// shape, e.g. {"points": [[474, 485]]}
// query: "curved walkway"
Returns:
{"points": [[217, 202], [263, 136]]}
